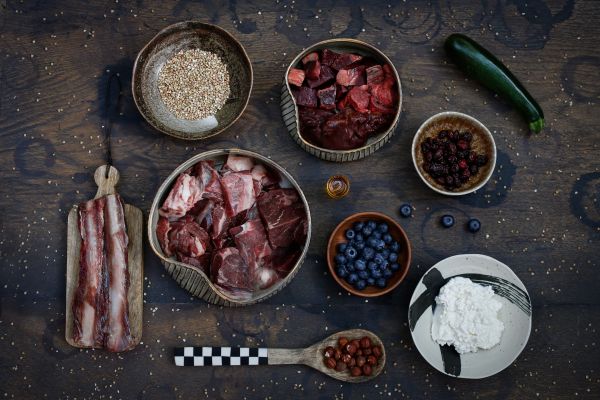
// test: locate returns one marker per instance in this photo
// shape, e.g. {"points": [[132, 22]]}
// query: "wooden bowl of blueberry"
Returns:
{"points": [[368, 254]]}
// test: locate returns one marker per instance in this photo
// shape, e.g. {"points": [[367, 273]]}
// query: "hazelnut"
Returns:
{"points": [[330, 363], [342, 341], [359, 352], [350, 348], [341, 366], [346, 358], [337, 354], [356, 343], [360, 361], [372, 360], [376, 351], [365, 342], [328, 352], [355, 371], [352, 362], [367, 370], [367, 352]]}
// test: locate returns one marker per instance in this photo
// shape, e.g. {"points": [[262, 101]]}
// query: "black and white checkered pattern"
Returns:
{"points": [[217, 356]]}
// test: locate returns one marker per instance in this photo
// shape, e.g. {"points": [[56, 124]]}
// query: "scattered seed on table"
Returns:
{"points": [[194, 84]]}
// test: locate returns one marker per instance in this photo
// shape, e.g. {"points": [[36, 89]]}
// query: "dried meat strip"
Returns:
{"points": [[89, 303], [118, 335]]}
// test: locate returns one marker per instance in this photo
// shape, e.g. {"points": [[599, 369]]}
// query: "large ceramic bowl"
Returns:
{"points": [[289, 109], [515, 314], [196, 281], [168, 42]]}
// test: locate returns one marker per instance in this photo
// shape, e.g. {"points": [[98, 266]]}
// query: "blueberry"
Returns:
{"points": [[368, 253], [447, 221], [350, 268], [367, 231], [387, 238], [359, 238], [341, 271], [342, 247], [372, 242], [380, 245], [358, 226], [364, 274], [381, 282], [360, 264], [405, 210], [371, 281], [474, 225], [340, 259], [384, 264], [395, 267], [350, 252], [376, 234], [360, 285], [359, 245], [385, 253], [376, 273], [395, 246], [373, 266], [383, 227], [352, 278], [387, 273], [350, 234], [372, 225], [378, 258], [393, 257]]}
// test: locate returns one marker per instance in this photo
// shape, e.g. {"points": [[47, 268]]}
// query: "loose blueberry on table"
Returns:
{"points": [[369, 257]]}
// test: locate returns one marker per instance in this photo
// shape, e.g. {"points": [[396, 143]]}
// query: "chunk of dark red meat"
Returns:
{"points": [[375, 74], [325, 76], [311, 120], [327, 97], [162, 234], [305, 96], [209, 179], [251, 241], [282, 211], [186, 191], [238, 191], [312, 70], [310, 57], [384, 97], [342, 131], [340, 91], [358, 97], [220, 221], [376, 123], [267, 177], [202, 212], [296, 76], [329, 57], [202, 263], [228, 269], [343, 60], [351, 77], [284, 259], [186, 237]]}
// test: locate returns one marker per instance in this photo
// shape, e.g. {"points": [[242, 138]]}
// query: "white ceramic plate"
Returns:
{"points": [[515, 314]]}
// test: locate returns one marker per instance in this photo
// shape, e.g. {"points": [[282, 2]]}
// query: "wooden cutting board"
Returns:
{"points": [[134, 223]]}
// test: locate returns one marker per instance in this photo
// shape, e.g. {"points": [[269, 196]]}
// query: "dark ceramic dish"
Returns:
{"points": [[167, 43]]}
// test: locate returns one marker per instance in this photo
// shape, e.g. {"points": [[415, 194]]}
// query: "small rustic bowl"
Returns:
{"points": [[483, 142], [289, 110], [193, 279], [404, 257], [168, 42]]}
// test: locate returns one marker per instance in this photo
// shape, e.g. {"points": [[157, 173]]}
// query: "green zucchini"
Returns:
{"points": [[484, 67]]}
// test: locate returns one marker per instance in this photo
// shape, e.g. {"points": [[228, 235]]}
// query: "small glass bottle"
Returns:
{"points": [[337, 186]]}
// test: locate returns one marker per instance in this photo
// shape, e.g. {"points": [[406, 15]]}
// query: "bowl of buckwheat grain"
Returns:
{"points": [[192, 80]]}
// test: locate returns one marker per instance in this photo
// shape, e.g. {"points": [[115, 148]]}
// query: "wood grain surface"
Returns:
{"points": [[540, 211]]}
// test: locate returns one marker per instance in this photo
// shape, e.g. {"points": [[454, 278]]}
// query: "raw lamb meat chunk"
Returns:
{"points": [[209, 178], [375, 74], [325, 76], [310, 57], [266, 177], [162, 234], [351, 77], [184, 195], [358, 97], [282, 212], [327, 97], [238, 163], [188, 238], [238, 188], [313, 70], [228, 269], [305, 96], [296, 76]]}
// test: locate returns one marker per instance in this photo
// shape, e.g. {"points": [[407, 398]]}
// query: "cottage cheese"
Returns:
{"points": [[466, 316]]}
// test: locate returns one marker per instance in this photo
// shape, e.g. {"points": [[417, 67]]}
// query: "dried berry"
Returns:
{"points": [[372, 360], [340, 366], [350, 349], [342, 341], [346, 358], [376, 351], [365, 342], [360, 361], [367, 370], [328, 353], [330, 363], [355, 371]]}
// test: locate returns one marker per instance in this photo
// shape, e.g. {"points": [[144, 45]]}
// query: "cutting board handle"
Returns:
{"points": [[106, 185]]}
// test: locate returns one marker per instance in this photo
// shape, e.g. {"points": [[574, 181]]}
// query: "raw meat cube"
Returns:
{"points": [[325, 76], [296, 76], [162, 234], [340, 91], [220, 221], [345, 59], [238, 163], [305, 96], [329, 57], [238, 190], [266, 177], [351, 77], [282, 211], [314, 56], [327, 97], [358, 97], [209, 178], [313, 70], [182, 197], [251, 241], [229, 270], [188, 238], [375, 74]]}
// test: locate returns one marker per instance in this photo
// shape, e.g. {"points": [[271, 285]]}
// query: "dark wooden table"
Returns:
{"points": [[540, 212]]}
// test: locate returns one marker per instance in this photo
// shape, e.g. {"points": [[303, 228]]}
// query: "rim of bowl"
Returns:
{"points": [[174, 27], [471, 119], [372, 49], [405, 267], [192, 161]]}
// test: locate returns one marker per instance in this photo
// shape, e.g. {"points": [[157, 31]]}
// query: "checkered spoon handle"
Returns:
{"points": [[234, 356]]}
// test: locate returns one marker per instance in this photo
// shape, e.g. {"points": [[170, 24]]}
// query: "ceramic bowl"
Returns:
{"points": [[404, 255], [515, 314], [289, 110], [195, 280], [483, 143], [168, 42]]}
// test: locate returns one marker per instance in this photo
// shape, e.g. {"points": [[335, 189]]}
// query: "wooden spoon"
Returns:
{"points": [[311, 356], [106, 178]]}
